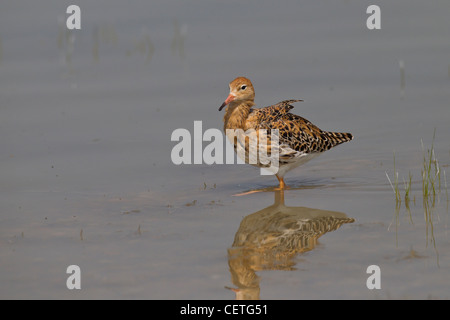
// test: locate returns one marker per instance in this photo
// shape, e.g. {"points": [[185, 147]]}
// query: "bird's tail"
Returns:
{"points": [[337, 138]]}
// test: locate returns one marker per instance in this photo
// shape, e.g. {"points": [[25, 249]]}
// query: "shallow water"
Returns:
{"points": [[86, 177]]}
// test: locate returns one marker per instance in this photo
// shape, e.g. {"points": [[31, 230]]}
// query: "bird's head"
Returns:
{"points": [[241, 90]]}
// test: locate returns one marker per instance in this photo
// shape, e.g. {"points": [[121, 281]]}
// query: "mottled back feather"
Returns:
{"points": [[296, 132]]}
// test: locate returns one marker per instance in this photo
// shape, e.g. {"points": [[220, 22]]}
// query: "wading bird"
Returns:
{"points": [[298, 139]]}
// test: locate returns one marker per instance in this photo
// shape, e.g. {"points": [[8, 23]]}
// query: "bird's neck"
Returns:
{"points": [[236, 114]]}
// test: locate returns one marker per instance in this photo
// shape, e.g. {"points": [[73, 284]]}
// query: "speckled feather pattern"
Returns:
{"points": [[294, 131]]}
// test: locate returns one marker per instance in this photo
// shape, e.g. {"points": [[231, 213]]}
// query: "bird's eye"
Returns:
{"points": [[243, 87]]}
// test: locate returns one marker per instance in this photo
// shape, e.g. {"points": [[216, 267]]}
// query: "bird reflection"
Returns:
{"points": [[271, 238]]}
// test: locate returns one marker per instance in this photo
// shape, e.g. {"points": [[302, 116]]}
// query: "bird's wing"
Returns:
{"points": [[297, 134], [270, 113]]}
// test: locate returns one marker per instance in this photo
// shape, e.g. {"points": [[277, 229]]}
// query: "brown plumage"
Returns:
{"points": [[299, 139]]}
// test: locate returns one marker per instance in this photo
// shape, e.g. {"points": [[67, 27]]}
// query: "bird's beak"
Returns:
{"points": [[229, 99]]}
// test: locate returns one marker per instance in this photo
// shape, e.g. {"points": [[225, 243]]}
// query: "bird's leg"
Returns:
{"points": [[282, 184], [279, 196]]}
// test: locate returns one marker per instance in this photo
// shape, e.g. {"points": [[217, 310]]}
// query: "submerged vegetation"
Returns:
{"points": [[394, 185], [432, 176], [434, 183]]}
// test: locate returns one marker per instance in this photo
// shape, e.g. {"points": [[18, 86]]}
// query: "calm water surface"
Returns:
{"points": [[85, 135]]}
